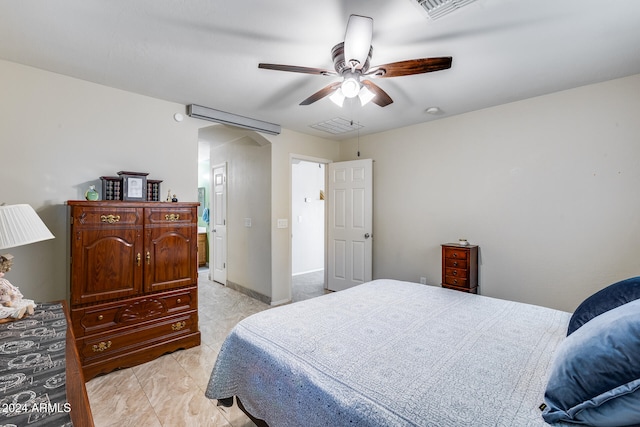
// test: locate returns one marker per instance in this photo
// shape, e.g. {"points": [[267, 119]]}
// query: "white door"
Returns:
{"points": [[350, 223], [219, 224]]}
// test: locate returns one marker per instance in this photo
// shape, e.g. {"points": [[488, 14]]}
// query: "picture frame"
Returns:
{"points": [[134, 185]]}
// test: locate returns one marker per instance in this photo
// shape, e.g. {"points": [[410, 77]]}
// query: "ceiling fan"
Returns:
{"points": [[351, 61]]}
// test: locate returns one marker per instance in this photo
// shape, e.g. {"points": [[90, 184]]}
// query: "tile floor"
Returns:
{"points": [[169, 391]]}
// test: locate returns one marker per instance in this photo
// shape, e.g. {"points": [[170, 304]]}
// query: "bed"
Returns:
{"points": [[394, 353]]}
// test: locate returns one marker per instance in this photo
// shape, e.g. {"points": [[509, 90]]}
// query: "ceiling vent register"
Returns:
{"points": [[439, 8]]}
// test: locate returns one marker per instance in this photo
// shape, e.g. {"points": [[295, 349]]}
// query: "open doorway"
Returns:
{"points": [[308, 238]]}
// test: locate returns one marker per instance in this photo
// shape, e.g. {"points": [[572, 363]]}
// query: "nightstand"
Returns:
{"points": [[460, 267]]}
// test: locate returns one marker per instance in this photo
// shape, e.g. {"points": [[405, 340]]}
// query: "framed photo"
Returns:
{"points": [[134, 186]]}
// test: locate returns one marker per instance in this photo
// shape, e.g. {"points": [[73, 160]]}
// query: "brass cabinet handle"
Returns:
{"points": [[111, 219], [455, 272], [138, 258], [172, 217], [100, 317], [101, 346], [455, 263], [178, 325], [148, 256], [178, 300]]}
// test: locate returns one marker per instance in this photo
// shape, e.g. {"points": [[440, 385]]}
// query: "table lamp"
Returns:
{"points": [[19, 225]]}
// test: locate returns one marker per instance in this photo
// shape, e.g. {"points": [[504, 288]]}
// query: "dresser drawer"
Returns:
{"points": [[171, 216], [130, 338], [106, 317], [455, 253], [104, 216]]}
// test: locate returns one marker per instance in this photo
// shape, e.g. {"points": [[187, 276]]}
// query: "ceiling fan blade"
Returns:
{"points": [[382, 98], [357, 40], [325, 91], [411, 66], [297, 69]]}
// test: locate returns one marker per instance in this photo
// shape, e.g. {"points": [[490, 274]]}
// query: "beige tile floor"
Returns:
{"points": [[169, 391]]}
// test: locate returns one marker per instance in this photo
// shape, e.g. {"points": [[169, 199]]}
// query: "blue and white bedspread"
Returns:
{"points": [[391, 353]]}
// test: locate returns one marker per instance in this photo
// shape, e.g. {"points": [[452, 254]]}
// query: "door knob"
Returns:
{"points": [[367, 235]]}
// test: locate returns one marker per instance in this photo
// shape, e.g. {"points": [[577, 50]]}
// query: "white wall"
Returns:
{"points": [[547, 187], [58, 135], [307, 222]]}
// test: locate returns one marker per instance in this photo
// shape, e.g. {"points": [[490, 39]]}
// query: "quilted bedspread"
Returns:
{"points": [[392, 353]]}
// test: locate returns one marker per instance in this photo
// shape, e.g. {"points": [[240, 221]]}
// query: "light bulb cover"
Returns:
{"points": [[337, 97], [365, 95], [350, 87]]}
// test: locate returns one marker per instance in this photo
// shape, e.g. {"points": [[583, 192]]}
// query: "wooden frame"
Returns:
{"points": [[134, 186]]}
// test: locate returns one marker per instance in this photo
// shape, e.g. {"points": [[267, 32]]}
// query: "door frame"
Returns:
{"points": [[292, 157]]}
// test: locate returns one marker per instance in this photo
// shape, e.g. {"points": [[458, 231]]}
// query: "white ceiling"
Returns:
{"points": [[207, 51]]}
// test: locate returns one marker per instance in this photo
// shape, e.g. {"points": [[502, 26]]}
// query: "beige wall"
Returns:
{"points": [[248, 198], [285, 145], [547, 187], [58, 135]]}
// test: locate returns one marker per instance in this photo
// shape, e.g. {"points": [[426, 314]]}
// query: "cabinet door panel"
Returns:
{"points": [[107, 264], [171, 258]]}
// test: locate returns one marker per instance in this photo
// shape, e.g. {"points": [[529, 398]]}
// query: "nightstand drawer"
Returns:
{"points": [[456, 272], [455, 253], [460, 282], [455, 263]]}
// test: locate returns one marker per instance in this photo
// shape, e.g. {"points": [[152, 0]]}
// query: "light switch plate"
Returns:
{"points": [[283, 223]]}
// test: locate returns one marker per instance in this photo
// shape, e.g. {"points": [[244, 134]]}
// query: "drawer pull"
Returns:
{"points": [[101, 346], [455, 255], [172, 217], [148, 258], [455, 272], [138, 258], [178, 325], [455, 281], [178, 301], [100, 317], [455, 263], [111, 219]]}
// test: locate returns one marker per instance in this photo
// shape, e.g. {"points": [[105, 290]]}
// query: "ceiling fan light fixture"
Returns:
{"points": [[350, 87], [337, 97], [365, 96]]}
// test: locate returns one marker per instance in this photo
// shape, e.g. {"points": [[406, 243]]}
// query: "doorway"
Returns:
{"points": [[308, 236]]}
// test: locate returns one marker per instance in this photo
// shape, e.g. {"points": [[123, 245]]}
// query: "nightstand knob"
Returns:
{"points": [[455, 273], [455, 255], [455, 281], [178, 300], [455, 263], [100, 317]]}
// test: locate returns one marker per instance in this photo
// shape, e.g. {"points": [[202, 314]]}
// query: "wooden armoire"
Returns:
{"points": [[134, 281]]}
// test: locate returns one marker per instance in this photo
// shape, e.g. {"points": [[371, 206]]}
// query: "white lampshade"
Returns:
{"points": [[21, 225]]}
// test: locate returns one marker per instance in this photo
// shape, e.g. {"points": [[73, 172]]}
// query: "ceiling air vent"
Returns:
{"points": [[337, 126], [439, 8]]}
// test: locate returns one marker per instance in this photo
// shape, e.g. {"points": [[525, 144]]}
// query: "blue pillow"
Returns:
{"points": [[604, 300], [595, 377]]}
